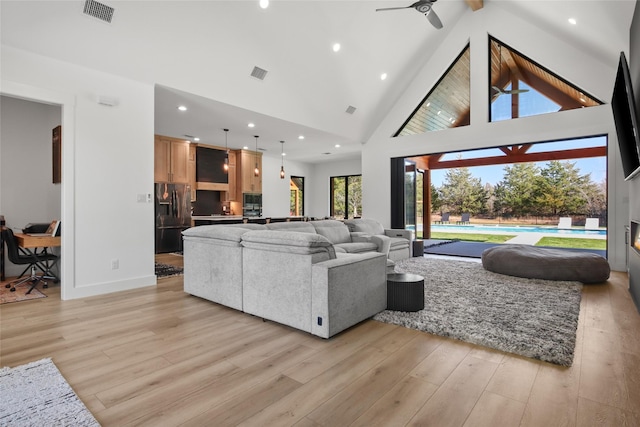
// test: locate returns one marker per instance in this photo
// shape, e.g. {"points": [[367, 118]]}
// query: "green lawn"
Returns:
{"points": [[487, 238], [558, 242], [567, 242]]}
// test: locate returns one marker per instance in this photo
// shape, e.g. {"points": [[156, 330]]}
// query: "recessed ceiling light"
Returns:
{"points": [[439, 112], [301, 137], [182, 108], [383, 76], [284, 154], [337, 145], [251, 125], [196, 139], [572, 21], [428, 104], [245, 148], [336, 47], [264, 4]]}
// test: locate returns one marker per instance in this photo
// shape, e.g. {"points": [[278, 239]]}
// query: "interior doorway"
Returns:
{"points": [[66, 198]]}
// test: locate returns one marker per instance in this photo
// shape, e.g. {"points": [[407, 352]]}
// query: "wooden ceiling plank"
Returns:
{"points": [[475, 4]]}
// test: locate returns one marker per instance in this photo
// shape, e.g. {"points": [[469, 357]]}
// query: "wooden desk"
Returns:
{"points": [[27, 241], [30, 244]]}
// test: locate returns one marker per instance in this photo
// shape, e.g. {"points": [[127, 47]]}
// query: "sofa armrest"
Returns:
{"points": [[346, 291], [397, 232]]}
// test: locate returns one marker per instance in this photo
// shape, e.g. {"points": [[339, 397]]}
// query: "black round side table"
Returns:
{"points": [[405, 292]]}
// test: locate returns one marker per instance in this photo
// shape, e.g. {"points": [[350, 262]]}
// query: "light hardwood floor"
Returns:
{"points": [[159, 357]]}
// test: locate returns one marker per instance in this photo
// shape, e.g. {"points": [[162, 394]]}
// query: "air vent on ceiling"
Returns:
{"points": [[98, 10], [326, 154], [259, 73], [351, 109]]}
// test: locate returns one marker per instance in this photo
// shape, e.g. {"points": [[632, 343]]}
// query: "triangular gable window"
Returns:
{"points": [[447, 105], [520, 87]]}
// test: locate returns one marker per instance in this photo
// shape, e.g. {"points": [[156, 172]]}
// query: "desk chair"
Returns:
{"points": [[30, 259]]}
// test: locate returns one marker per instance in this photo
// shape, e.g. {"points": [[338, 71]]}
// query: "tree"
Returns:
{"points": [[436, 201], [517, 193], [461, 192], [561, 188]]}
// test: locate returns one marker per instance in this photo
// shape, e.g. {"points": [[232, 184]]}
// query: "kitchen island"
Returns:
{"points": [[237, 219]]}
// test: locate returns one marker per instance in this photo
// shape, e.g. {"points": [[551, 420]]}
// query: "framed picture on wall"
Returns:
{"points": [[57, 154]]}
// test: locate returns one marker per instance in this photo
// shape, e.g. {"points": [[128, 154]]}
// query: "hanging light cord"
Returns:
{"points": [[226, 156], [256, 171], [282, 161]]}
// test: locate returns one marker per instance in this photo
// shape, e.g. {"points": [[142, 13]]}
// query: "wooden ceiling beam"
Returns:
{"points": [[475, 4], [519, 157]]}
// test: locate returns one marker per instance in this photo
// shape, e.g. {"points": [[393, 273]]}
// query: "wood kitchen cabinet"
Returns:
{"points": [[171, 160], [246, 181]]}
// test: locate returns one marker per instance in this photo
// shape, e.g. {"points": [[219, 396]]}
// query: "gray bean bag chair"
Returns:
{"points": [[543, 263]]}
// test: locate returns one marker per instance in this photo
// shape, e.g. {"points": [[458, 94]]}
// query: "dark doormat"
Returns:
{"points": [[167, 270]]}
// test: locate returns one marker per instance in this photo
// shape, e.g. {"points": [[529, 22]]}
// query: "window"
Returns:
{"points": [[297, 196], [448, 103], [346, 196], [519, 87]]}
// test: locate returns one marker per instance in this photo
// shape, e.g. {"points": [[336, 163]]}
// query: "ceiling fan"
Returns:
{"points": [[423, 6], [501, 91]]}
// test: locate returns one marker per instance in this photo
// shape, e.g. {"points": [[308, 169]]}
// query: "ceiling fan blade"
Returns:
{"points": [[497, 89], [392, 8], [433, 18], [519, 91]]}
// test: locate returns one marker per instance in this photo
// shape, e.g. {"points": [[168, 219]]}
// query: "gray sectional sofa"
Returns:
{"points": [[291, 273]]}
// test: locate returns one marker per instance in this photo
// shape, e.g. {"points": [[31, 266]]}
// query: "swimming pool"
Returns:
{"points": [[444, 228]]}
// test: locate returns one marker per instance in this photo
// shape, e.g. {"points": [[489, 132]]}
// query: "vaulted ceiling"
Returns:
{"points": [[201, 54]]}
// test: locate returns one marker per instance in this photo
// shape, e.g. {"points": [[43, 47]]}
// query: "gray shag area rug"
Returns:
{"points": [[36, 394], [167, 270], [530, 317]]}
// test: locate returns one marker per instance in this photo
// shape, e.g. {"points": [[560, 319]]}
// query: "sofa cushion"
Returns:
{"points": [[334, 231], [299, 226], [365, 225], [357, 247], [218, 232], [290, 242]]}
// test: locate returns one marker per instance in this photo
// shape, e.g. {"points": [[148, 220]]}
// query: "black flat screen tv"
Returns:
{"points": [[626, 120]]}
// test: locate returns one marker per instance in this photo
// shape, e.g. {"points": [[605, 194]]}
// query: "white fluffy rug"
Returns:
{"points": [[530, 317], [36, 394]]}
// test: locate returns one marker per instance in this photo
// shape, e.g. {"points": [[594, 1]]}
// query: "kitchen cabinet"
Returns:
{"points": [[171, 160], [246, 181]]}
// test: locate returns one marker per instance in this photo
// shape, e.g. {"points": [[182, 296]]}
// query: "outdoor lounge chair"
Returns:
{"points": [[444, 219], [592, 224], [564, 222], [466, 217]]}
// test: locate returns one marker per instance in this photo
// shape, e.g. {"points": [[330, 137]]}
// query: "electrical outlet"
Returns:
{"points": [[115, 264], [142, 198]]}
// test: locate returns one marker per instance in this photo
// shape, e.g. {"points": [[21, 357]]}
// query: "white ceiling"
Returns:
{"points": [[201, 53]]}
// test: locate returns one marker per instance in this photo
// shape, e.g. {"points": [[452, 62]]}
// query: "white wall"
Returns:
{"points": [[27, 193], [574, 65], [107, 162], [276, 191]]}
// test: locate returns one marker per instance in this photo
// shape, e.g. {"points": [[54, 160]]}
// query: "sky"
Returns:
{"points": [[596, 166]]}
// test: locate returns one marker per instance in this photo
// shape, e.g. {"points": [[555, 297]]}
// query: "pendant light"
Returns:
{"points": [[282, 161], [226, 156], [256, 171]]}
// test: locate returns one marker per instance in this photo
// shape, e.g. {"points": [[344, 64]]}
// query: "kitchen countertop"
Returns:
{"points": [[217, 217]]}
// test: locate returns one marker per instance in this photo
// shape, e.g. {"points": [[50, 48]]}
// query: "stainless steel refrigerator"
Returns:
{"points": [[173, 214]]}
